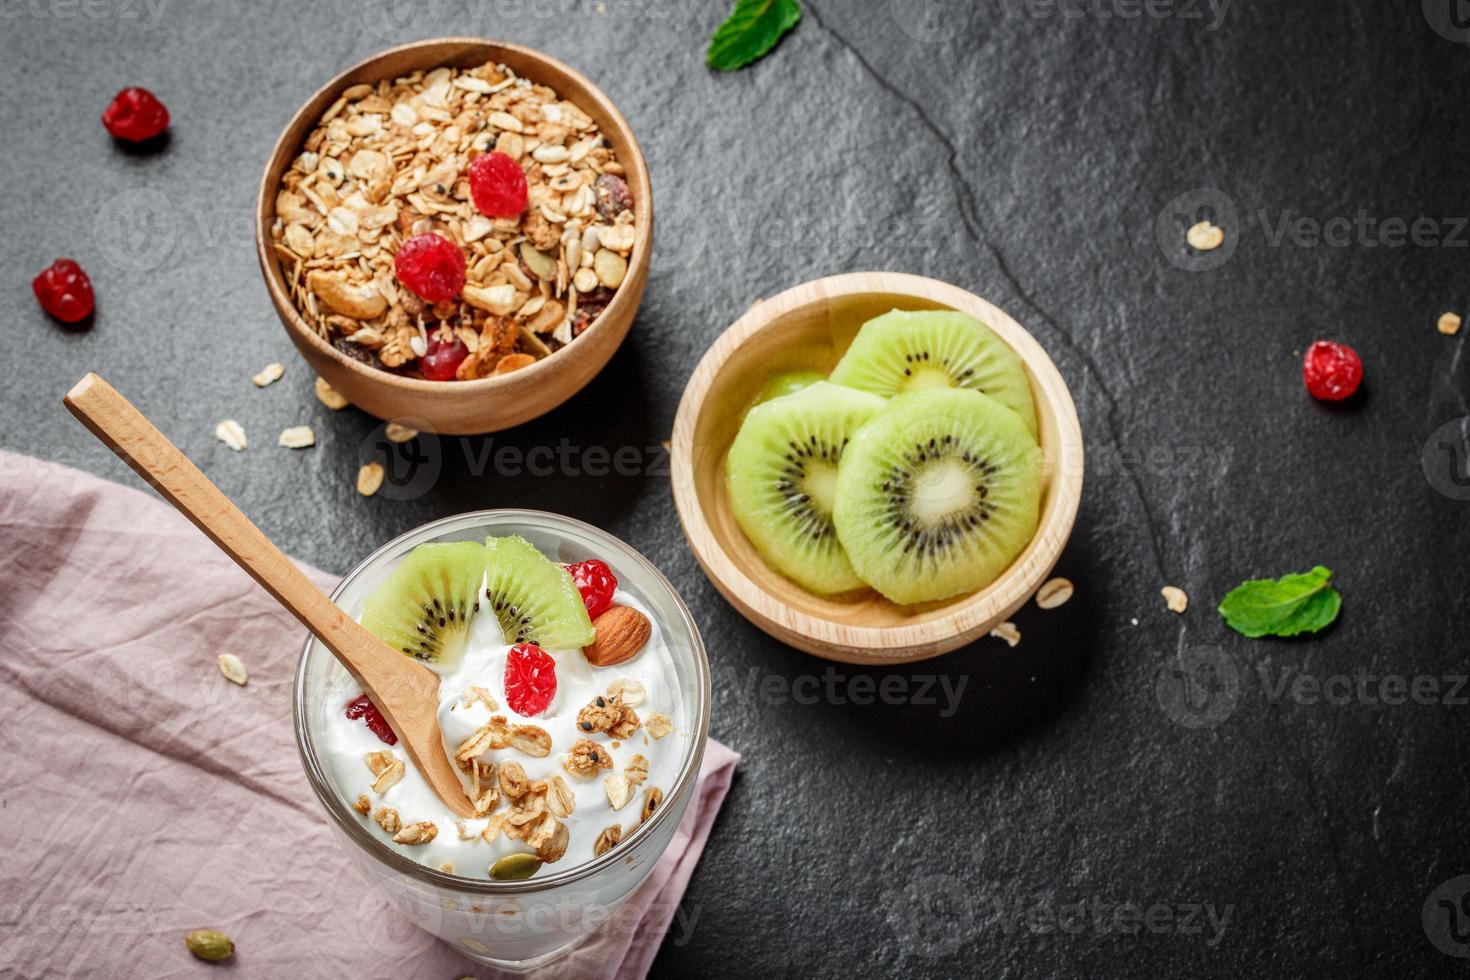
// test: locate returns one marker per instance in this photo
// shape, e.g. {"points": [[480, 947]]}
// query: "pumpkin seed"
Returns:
{"points": [[543, 265], [210, 945], [515, 867]]}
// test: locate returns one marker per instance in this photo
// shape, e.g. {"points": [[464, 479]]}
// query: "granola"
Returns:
{"points": [[391, 161]]}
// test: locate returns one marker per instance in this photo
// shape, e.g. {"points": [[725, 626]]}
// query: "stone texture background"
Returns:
{"points": [[1047, 156]]}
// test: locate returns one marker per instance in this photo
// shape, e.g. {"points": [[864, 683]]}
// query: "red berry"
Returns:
{"points": [[498, 185], [597, 584], [530, 679], [65, 291], [443, 358], [364, 708], [432, 266], [1332, 371], [135, 115]]}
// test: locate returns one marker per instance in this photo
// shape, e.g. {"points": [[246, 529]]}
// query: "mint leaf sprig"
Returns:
{"points": [[1288, 606], [750, 32]]}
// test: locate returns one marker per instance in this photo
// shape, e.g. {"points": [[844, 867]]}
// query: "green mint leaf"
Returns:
{"points": [[1286, 606], [751, 30]]}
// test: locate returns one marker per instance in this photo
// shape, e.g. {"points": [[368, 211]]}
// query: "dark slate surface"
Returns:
{"points": [[1025, 151]]}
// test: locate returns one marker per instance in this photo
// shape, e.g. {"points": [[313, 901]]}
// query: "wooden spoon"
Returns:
{"points": [[406, 692]]}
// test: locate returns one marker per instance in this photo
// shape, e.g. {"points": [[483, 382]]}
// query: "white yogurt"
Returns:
{"points": [[347, 741]]}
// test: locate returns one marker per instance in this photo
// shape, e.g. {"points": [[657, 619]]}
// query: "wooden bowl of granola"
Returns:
{"points": [[380, 154], [808, 328]]}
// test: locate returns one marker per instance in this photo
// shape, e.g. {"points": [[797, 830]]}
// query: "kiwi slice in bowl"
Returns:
{"points": [[789, 383], [938, 494], [912, 350], [533, 597], [781, 474], [425, 606]]}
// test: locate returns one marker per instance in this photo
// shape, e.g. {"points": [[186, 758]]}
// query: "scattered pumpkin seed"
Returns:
{"points": [[232, 668], [210, 945], [515, 867]]}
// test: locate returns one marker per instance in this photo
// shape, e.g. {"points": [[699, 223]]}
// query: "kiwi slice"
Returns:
{"points": [[782, 473], [938, 494], [427, 603], [534, 598], [789, 383], [906, 351]]}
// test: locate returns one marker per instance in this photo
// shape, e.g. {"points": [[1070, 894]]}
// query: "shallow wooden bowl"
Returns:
{"points": [[488, 404], [809, 327]]}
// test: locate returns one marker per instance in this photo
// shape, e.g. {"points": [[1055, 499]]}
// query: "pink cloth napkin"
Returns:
{"points": [[145, 796]]}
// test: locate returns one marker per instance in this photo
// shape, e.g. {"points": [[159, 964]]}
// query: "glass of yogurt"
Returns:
{"points": [[617, 792]]}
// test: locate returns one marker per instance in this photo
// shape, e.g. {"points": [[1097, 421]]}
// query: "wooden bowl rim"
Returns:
{"points": [[281, 156], [847, 641]]}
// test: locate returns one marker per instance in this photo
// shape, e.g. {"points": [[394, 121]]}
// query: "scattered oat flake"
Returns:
{"points": [[1449, 324], [232, 668], [659, 725], [1205, 237], [1175, 597], [329, 396], [399, 433], [269, 374], [1007, 631], [369, 478], [297, 437], [231, 434], [1054, 593]]}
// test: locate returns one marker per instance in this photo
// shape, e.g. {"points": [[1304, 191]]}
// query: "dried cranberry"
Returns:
{"points": [[364, 708], [498, 185], [597, 584], [65, 291], [135, 115], [613, 196], [432, 266], [1332, 371], [443, 358], [530, 679]]}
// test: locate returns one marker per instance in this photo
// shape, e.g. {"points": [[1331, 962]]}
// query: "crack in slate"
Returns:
{"points": [[969, 215]]}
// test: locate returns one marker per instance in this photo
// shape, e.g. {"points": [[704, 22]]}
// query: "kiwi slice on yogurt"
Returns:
{"points": [[938, 494], [910, 350], [533, 597], [425, 606], [781, 474]]}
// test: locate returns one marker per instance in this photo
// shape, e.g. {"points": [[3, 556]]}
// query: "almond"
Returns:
{"points": [[621, 633]]}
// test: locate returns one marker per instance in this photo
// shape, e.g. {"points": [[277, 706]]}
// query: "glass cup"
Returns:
{"points": [[512, 925]]}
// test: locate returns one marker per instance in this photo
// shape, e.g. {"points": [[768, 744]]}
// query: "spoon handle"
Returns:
{"points": [[407, 693]]}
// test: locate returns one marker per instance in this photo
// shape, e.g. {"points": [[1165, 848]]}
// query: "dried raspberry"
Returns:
{"points": [[65, 291], [1332, 371], [135, 115], [498, 185], [364, 708], [597, 584], [530, 679], [432, 266], [443, 358]]}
